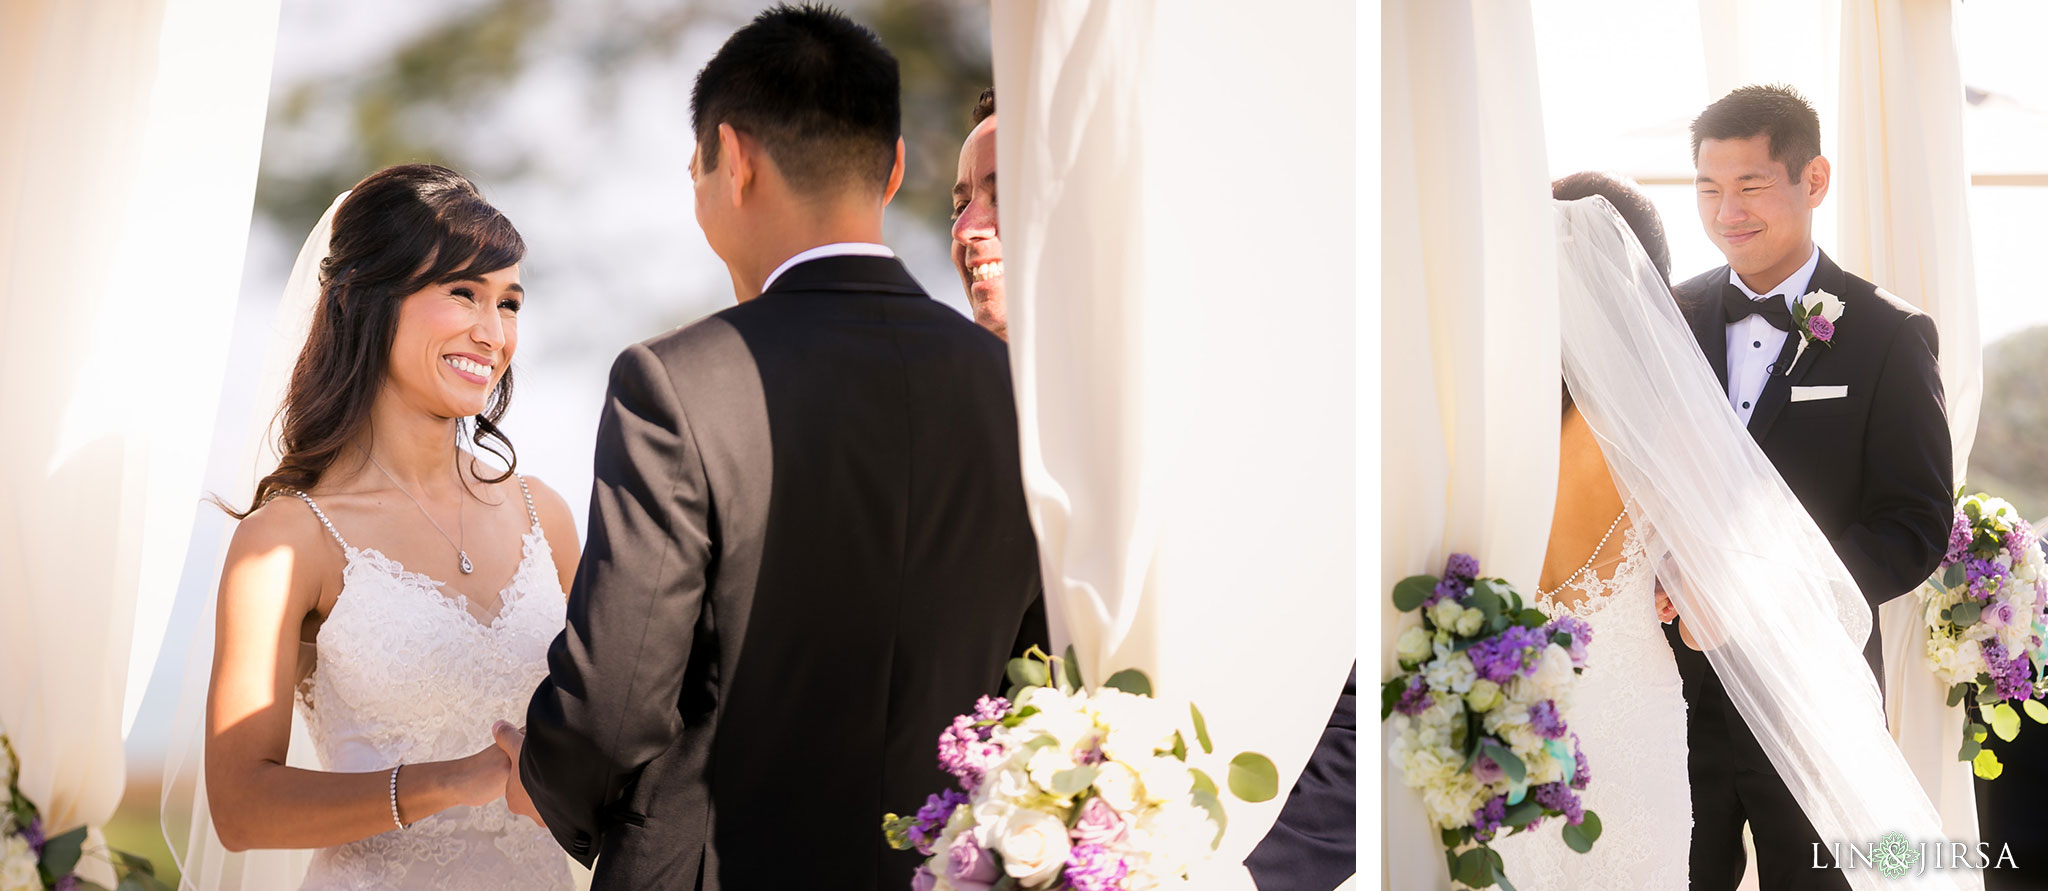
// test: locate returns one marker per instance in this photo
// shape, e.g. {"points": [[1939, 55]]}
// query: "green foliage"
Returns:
{"points": [[1580, 838], [1130, 680], [1410, 592], [1253, 777]]}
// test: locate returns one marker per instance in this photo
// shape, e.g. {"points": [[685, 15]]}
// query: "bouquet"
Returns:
{"points": [[1478, 708], [1983, 610], [31, 861], [1066, 787]]}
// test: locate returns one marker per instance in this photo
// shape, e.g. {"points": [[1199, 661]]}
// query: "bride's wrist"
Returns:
{"points": [[430, 787]]}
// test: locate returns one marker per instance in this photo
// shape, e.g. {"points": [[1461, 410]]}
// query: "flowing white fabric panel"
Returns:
{"points": [[1181, 275], [129, 136], [1900, 190], [1469, 308], [1773, 41]]}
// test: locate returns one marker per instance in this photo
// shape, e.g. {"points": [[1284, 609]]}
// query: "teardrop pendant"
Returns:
{"points": [[467, 567]]}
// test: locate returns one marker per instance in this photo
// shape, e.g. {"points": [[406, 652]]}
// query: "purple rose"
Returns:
{"points": [[969, 865], [1822, 329], [1095, 868], [1485, 770], [922, 879], [1099, 824]]}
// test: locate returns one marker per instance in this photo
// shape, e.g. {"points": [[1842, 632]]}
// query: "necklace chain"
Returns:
{"points": [[461, 553], [1582, 570]]}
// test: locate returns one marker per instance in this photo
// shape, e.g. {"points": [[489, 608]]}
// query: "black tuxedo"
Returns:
{"points": [[1873, 470], [808, 550]]}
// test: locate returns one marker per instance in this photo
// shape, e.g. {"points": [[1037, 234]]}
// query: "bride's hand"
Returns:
{"points": [[478, 779], [1665, 611], [511, 740]]}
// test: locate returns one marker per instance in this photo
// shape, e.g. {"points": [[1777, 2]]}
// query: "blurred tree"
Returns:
{"points": [[2014, 426]]}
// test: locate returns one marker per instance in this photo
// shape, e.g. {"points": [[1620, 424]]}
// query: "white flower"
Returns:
{"points": [[1829, 305], [1554, 675], [1119, 786], [1484, 695], [1033, 845], [1413, 645], [18, 866], [1446, 613], [1470, 623], [1450, 671], [1165, 778], [1048, 762]]}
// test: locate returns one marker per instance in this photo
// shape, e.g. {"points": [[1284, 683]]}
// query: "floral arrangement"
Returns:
{"points": [[1983, 610], [1478, 708], [1066, 787], [1814, 317], [31, 861]]}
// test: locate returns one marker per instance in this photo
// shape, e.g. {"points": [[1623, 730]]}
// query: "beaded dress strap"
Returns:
{"points": [[532, 516], [308, 499]]}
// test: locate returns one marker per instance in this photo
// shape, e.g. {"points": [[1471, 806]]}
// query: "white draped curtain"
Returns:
{"points": [[129, 137], [1900, 190], [1178, 216], [1468, 307]]}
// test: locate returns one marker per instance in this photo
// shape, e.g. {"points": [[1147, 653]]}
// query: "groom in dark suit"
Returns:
{"points": [[1855, 425], [808, 545]]}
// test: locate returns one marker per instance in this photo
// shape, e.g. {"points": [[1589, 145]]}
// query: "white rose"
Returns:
{"points": [[1119, 786], [1829, 305], [18, 866], [1446, 613], [1554, 673], [1483, 696], [1046, 763], [1413, 645], [1165, 779], [1470, 623], [1034, 846]]}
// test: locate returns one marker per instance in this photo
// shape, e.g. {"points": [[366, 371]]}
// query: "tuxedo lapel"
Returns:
{"points": [[1709, 325], [1778, 389]]}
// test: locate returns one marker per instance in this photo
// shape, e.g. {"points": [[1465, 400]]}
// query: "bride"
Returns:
{"points": [[397, 591], [1659, 485]]}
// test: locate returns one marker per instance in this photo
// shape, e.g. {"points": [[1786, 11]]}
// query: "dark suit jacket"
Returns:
{"points": [[1872, 468], [808, 550]]}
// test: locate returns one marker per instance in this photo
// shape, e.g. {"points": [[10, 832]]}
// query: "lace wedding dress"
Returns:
{"points": [[1629, 715], [404, 673]]}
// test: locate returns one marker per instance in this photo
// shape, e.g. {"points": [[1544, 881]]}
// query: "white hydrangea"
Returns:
{"points": [[1450, 671], [18, 865]]}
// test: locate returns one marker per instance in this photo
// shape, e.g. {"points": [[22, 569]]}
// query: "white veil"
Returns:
{"points": [[1755, 580], [186, 819]]}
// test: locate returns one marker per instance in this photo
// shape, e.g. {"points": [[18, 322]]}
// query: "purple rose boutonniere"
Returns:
{"points": [[1813, 319]]}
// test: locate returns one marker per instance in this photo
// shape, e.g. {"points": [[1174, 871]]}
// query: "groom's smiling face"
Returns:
{"points": [[1757, 212]]}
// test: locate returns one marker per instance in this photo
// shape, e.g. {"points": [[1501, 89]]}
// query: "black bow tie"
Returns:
{"points": [[1736, 303]]}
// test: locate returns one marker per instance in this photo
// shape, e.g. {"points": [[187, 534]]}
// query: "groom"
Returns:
{"points": [[808, 546], [1855, 424]]}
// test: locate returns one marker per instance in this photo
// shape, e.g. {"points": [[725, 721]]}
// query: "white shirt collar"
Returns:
{"points": [[839, 249], [1792, 288]]}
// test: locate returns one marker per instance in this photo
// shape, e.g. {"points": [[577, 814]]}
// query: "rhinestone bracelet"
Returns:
{"points": [[394, 798]]}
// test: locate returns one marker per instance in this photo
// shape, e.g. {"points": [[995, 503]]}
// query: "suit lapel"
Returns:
{"points": [[1710, 326], [1778, 389]]}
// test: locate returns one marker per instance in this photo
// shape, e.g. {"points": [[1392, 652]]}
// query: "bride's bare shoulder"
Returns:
{"points": [[284, 529]]}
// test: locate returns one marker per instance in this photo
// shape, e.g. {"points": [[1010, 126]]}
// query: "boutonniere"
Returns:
{"points": [[1814, 317]]}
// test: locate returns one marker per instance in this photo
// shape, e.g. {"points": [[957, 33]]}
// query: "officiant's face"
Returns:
{"points": [[1758, 213], [977, 248], [454, 342]]}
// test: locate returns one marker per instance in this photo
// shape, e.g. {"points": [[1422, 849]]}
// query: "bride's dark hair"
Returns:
{"points": [[401, 229]]}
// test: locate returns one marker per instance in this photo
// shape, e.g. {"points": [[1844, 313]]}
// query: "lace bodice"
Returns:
{"points": [[404, 673], [1629, 715]]}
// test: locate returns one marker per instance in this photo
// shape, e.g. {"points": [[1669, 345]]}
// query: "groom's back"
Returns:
{"points": [[872, 565]]}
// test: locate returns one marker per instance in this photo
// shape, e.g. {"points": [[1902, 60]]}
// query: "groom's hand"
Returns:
{"points": [[512, 739], [1665, 611]]}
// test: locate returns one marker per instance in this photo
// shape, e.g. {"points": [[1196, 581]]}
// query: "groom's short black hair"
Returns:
{"points": [[1774, 111], [815, 88], [1628, 199]]}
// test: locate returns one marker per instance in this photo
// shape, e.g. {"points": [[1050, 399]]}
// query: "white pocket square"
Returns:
{"points": [[1813, 394]]}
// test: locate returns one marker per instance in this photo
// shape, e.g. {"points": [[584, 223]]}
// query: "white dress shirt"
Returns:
{"points": [[839, 249], [1753, 345]]}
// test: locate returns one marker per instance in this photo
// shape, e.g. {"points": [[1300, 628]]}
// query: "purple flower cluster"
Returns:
{"points": [[1509, 653], [1486, 770], [33, 833], [1582, 773], [1984, 577], [1415, 699], [1959, 537], [931, 819], [965, 750], [1560, 797], [1463, 566], [1095, 868], [67, 883], [1486, 821], [1581, 634], [2011, 675], [1446, 589], [2019, 541], [1459, 573], [1545, 720]]}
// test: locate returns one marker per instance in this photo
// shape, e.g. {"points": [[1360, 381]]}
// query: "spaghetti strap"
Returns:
{"points": [[532, 516], [308, 499]]}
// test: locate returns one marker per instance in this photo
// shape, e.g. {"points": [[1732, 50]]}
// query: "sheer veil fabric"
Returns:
{"points": [[1754, 579], [186, 818]]}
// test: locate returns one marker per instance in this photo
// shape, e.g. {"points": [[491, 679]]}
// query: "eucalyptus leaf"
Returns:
{"points": [[1532, 618], [1073, 669], [1956, 575], [1452, 839], [1970, 749], [2036, 710], [1955, 695], [1027, 673], [1575, 838], [1986, 765], [1131, 681], [1521, 814], [1209, 802], [1487, 602], [2005, 721], [1510, 765], [60, 853], [1201, 730], [1500, 877], [1410, 592], [1474, 869], [1390, 695], [1202, 781], [1966, 613], [1253, 777], [1070, 782]]}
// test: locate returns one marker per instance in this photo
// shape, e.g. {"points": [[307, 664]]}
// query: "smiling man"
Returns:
{"points": [[1850, 413], [977, 246]]}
